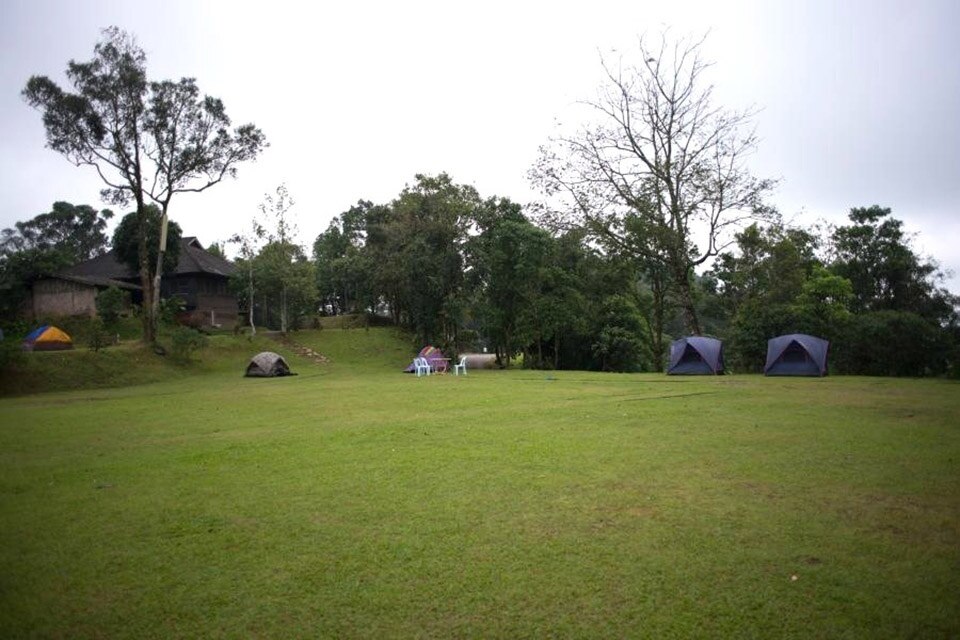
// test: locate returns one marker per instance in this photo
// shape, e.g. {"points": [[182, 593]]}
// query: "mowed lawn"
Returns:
{"points": [[355, 501]]}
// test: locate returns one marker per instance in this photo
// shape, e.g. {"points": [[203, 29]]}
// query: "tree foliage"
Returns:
{"points": [[287, 283], [273, 268], [866, 291], [132, 227], [416, 246], [343, 268], [44, 245], [110, 304], [509, 260], [76, 231], [904, 321], [760, 284], [875, 255]]}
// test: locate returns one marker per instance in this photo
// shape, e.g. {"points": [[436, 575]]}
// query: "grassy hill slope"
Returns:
{"points": [[358, 350]]}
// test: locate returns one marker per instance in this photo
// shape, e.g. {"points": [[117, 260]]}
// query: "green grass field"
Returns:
{"points": [[354, 501]]}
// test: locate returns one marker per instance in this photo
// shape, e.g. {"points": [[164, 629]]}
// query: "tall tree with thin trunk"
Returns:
{"points": [[658, 170], [249, 245], [146, 140], [281, 263]]}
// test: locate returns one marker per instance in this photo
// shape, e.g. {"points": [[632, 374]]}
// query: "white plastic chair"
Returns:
{"points": [[421, 366], [460, 366]]}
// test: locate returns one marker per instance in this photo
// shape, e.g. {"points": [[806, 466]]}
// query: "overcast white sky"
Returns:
{"points": [[860, 100]]}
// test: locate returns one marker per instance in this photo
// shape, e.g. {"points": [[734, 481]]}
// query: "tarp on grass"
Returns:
{"points": [[696, 355], [47, 338], [796, 354], [267, 364]]}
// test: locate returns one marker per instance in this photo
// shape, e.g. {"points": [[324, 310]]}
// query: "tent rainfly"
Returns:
{"points": [[47, 338], [268, 364], [696, 356], [796, 354]]}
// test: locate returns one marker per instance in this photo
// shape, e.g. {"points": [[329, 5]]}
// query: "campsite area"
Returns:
{"points": [[355, 501]]}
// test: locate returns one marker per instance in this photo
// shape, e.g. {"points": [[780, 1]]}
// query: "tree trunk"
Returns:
{"points": [[146, 283], [395, 311], [161, 250], [659, 310], [283, 309], [253, 328], [685, 297]]}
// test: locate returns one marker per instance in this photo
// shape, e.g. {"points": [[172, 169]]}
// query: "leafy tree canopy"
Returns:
{"points": [[76, 231], [874, 253], [46, 244], [126, 240]]}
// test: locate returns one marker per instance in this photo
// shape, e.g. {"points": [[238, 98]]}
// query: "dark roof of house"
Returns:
{"points": [[98, 282], [193, 259]]}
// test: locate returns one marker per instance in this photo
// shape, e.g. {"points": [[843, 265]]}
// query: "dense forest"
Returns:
{"points": [[461, 271]]}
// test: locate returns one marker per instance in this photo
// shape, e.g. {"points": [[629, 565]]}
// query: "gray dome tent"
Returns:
{"points": [[267, 364], [696, 355], [796, 354]]}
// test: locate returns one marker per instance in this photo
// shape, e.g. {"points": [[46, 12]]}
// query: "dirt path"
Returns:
{"points": [[299, 349]]}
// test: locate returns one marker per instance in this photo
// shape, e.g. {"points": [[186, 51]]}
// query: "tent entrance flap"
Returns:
{"points": [[691, 362], [796, 355], [696, 355]]}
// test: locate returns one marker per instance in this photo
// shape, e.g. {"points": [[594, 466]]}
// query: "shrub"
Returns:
{"points": [[11, 353], [97, 335], [110, 304], [617, 349], [893, 343], [170, 308], [617, 345], [184, 342]]}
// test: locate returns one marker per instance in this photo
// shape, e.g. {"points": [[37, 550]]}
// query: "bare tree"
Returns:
{"points": [[279, 256], [249, 245], [661, 173]]}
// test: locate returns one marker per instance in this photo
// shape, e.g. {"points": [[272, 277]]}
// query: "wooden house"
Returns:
{"points": [[200, 280]]}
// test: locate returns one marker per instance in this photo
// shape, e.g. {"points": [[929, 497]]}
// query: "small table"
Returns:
{"points": [[437, 363]]}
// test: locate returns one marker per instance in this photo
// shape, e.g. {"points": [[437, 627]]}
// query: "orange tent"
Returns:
{"points": [[47, 338]]}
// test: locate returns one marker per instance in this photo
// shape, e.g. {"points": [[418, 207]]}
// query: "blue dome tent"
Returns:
{"points": [[696, 355], [796, 354]]}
